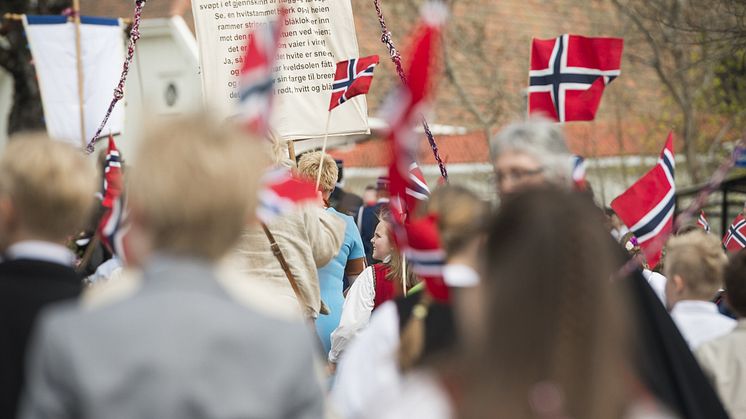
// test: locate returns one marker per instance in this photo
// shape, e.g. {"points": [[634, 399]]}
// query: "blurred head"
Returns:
{"points": [[461, 215], [370, 196], [382, 186], [735, 283], [530, 153], [46, 190], [193, 187], [694, 267], [572, 342], [308, 166]]}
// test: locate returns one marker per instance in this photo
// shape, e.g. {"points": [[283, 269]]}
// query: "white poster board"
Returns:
{"points": [[52, 43], [316, 35]]}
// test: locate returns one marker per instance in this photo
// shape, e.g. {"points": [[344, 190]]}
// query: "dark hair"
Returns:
{"points": [[553, 318], [735, 283]]}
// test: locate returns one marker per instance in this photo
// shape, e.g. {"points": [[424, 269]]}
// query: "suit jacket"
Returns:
{"points": [[26, 286], [179, 347], [368, 223], [724, 362]]}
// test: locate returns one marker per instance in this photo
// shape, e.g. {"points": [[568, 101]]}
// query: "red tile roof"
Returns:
{"points": [[586, 139]]}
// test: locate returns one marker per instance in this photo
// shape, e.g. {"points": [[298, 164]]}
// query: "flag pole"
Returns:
{"points": [[79, 61], [404, 274], [323, 148]]}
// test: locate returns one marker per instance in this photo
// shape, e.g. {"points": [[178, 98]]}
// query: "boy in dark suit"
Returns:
{"points": [[46, 193]]}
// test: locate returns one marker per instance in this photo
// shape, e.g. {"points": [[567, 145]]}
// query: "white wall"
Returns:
{"points": [[163, 80]]}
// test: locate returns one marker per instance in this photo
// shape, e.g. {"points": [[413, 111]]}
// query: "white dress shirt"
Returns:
{"points": [[700, 322], [40, 250], [657, 282], [355, 312]]}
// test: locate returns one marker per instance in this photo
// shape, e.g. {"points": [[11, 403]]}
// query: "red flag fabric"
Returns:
{"points": [[282, 192], [568, 75], [735, 238], [256, 77], [418, 238], [112, 174], [353, 77], [647, 207], [110, 228]]}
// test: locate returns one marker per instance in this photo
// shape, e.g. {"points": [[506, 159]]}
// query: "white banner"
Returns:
{"points": [[52, 43], [317, 34]]}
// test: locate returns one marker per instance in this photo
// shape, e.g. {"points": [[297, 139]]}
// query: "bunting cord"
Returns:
{"points": [[119, 90], [396, 59], [688, 214]]}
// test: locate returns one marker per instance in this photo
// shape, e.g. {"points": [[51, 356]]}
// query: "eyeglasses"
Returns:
{"points": [[517, 175]]}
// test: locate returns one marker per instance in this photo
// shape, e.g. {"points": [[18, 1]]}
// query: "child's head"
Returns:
{"points": [[46, 190]]}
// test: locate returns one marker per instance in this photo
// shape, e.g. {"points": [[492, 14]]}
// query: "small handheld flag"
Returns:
{"points": [[568, 75], [578, 173], [735, 238], [111, 228], [353, 77], [647, 207], [702, 221]]}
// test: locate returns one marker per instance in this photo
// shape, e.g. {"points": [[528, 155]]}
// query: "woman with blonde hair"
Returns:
{"points": [[349, 262], [374, 286]]}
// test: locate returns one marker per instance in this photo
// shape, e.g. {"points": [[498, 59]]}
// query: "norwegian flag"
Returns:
{"points": [[702, 221], [112, 174], [647, 207], [281, 192], [568, 75], [111, 228], [418, 238], [735, 238], [353, 77], [578, 173], [256, 77]]}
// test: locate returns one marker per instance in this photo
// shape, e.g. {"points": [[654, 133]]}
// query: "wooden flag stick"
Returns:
{"points": [[79, 60], [291, 150], [323, 148]]}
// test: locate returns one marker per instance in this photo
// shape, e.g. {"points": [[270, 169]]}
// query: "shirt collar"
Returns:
{"points": [[460, 276], [695, 306], [40, 250]]}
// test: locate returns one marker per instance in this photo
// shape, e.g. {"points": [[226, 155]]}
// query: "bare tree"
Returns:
{"points": [[691, 46]]}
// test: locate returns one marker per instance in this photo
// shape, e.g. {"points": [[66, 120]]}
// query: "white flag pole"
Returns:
{"points": [[323, 148]]}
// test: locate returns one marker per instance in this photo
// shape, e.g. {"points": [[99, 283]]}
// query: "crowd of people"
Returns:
{"points": [[317, 314]]}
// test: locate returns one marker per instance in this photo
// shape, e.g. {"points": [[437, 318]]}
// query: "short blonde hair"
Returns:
{"points": [[308, 166], [194, 185], [51, 184], [699, 260]]}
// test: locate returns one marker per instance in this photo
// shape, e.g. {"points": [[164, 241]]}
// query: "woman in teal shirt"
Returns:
{"points": [[350, 260]]}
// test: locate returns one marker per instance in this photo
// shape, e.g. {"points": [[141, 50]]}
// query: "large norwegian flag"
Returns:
{"points": [[418, 238], [353, 77], [735, 238], [568, 75], [647, 207], [256, 77]]}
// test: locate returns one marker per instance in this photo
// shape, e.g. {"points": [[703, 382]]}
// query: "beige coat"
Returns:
{"points": [[308, 238], [724, 361]]}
